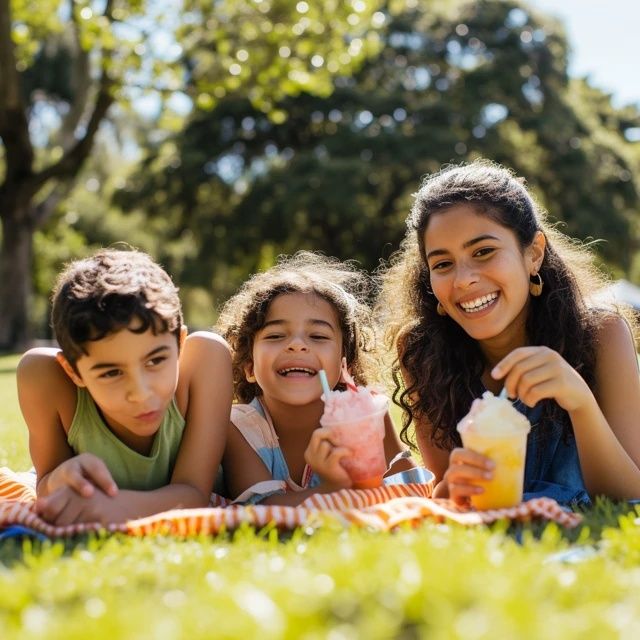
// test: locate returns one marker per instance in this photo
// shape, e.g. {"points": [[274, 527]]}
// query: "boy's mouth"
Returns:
{"points": [[296, 372]]}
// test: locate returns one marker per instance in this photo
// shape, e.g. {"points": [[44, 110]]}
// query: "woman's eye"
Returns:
{"points": [[485, 251]]}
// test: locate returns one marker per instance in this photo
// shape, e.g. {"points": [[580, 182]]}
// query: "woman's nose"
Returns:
{"points": [[466, 275]]}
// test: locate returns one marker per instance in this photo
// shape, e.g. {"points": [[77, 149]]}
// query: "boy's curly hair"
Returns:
{"points": [[443, 363], [341, 284], [104, 292]]}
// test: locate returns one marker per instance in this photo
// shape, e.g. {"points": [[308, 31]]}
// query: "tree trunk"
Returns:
{"points": [[15, 282]]}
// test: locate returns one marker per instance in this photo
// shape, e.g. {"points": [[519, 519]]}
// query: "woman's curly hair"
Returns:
{"points": [[441, 363], [341, 284]]}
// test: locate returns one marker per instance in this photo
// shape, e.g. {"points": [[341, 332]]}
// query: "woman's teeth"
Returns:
{"points": [[472, 306]]}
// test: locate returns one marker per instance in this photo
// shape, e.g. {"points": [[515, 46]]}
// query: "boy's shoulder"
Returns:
{"points": [[42, 381]]}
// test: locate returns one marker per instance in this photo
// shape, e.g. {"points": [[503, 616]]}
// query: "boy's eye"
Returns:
{"points": [[154, 362], [110, 373]]}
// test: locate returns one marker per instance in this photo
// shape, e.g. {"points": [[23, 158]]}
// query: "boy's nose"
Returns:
{"points": [[138, 391]]}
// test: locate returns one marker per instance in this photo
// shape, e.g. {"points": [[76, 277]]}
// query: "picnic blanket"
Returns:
{"points": [[384, 509]]}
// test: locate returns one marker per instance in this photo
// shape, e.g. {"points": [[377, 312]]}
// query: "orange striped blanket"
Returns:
{"points": [[382, 509]]}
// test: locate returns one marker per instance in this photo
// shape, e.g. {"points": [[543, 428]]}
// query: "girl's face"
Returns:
{"points": [[480, 274], [300, 336]]}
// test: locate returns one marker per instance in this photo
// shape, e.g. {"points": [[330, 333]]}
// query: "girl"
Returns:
{"points": [[491, 296], [285, 325]]}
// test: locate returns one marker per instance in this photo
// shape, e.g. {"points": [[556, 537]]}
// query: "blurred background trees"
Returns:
{"points": [[272, 128]]}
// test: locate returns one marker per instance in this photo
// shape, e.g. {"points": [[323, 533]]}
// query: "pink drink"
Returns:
{"points": [[356, 422]]}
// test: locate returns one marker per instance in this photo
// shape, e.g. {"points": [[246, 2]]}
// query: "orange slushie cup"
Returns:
{"points": [[356, 422], [496, 430]]}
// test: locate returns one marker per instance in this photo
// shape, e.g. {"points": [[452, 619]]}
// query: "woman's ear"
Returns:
{"points": [[248, 372], [69, 370], [536, 252]]}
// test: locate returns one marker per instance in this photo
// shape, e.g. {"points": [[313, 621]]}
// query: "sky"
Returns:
{"points": [[601, 34]]}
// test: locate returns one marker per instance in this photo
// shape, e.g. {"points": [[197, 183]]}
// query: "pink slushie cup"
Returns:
{"points": [[356, 422]]}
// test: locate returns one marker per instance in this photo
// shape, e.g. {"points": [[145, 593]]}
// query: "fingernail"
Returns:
{"points": [[488, 475], [495, 372]]}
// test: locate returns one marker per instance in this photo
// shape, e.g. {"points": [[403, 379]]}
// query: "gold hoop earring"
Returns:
{"points": [[535, 284], [440, 309]]}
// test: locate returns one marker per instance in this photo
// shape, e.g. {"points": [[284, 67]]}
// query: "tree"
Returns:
{"points": [[76, 61], [472, 79]]}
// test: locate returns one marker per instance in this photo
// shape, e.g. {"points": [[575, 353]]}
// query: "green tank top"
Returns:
{"points": [[130, 470]]}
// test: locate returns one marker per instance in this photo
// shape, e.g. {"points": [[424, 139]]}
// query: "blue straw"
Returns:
{"points": [[324, 382]]}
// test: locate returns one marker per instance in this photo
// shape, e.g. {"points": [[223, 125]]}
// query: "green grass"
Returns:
{"points": [[435, 581]]}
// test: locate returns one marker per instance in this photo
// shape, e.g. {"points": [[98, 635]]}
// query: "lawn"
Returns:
{"points": [[435, 581]]}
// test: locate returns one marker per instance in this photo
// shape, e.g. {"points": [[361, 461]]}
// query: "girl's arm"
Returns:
{"points": [[244, 469]]}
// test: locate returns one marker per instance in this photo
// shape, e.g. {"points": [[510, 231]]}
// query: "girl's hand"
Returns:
{"points": [[324, 458], [537, 373], [466, 469], [84, 474]]}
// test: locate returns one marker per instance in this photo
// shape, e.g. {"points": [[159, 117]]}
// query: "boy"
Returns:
{"points": [[106, 414]]}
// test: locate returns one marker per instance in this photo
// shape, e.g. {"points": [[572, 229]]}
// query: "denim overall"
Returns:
{"points": [[552, 467]]}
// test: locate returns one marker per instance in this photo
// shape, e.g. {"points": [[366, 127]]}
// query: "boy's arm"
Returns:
{"points": [[47, 400], [204, 396]]}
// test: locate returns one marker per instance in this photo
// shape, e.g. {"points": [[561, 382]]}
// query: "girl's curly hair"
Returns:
{"points": [[342, 284], [443, 364]]}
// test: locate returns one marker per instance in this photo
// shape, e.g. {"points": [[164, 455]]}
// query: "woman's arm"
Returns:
{"points": [[605, 422], [607, 430]]}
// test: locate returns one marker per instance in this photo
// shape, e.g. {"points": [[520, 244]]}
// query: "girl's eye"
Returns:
{"points": [[439, 266], [318, 336], [272, 336]]}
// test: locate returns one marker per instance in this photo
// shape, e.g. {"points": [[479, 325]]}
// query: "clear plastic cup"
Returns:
{"points": [[508, 452], [364, 436]]}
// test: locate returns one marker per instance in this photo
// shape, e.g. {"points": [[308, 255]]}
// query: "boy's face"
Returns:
{"points": [[132, 378]]}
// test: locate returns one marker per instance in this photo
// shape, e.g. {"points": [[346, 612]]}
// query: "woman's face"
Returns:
{"points": [[480, 274]]}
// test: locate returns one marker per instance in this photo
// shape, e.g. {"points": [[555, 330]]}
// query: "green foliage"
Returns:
{"points": [[452, 81]]}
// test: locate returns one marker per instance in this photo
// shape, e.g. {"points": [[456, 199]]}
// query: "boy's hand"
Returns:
{"points": [[64, 506], [324, 458], [84, 474], [461, 479]]}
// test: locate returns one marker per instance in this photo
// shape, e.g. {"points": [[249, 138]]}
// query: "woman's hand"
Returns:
{"points": [[324, 458], [465, 471], [537, 373]]}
